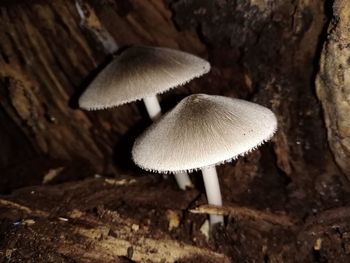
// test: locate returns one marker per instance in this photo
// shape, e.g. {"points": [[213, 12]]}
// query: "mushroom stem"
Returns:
{"points": [[183, 180], [212, 189], [154, 112], [152, 107]]}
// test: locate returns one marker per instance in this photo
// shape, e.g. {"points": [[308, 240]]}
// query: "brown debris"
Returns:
{"points": [[110, 235], [245, 212]]}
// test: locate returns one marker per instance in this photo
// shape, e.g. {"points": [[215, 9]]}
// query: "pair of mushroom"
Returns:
{"points": [[199, 133], [140, 73]]}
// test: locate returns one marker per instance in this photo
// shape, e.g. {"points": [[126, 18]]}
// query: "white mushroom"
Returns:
{"points": [[142, 72], [201, 132]]}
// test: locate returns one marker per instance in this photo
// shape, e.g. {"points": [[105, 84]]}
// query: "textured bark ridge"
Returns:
{"points": [[49, 51], [333, 84], [265, 51]]}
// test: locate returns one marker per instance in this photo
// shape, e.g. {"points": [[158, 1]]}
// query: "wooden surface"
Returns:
{"points": [[138, 220]]}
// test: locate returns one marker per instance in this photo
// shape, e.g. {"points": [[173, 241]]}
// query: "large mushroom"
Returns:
{"points": [[142, 72], [201, 132]]}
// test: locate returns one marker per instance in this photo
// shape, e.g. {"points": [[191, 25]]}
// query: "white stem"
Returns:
{"points": [[183, 180], [212, 188], [153, 107], [154, 112]]}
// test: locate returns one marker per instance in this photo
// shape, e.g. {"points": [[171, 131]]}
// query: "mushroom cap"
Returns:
{"points": [[203, 130], [140, 72]]}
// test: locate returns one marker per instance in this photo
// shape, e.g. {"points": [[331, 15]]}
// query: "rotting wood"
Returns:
{"points": [[24, 209], [144, 249], [245, 212], [107, 237], [107, 247]]}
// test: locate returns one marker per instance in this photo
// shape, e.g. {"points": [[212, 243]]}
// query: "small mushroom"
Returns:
{"points": [[142, 72], [201, 132]]}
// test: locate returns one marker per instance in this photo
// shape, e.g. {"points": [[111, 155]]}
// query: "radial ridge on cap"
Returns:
{"points": [[201, 131], [140, 72]]}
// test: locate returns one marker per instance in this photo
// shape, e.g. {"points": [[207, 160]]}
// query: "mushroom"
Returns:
{"points": [[142, 72], [201, 132]]}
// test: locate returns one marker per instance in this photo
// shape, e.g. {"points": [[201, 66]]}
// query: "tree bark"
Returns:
{"points": [[49, 53], [333, 84]]}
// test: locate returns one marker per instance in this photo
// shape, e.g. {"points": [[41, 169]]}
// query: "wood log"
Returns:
{"points": [[109, 220], [96, 232]]}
